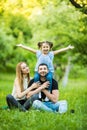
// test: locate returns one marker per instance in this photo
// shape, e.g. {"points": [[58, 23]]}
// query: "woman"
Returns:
{"points": [[18, 98]]}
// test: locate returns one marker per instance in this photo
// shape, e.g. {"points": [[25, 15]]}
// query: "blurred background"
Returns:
{"points": [[62, 22]]}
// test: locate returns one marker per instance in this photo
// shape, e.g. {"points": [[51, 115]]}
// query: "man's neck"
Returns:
{"points": [[43, 78]]}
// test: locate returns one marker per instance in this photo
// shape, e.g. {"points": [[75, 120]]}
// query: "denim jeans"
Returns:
{"points": [[46, 106], [27, 103]]}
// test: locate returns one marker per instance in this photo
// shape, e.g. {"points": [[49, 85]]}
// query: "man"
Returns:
{"points": [[52, 105]]}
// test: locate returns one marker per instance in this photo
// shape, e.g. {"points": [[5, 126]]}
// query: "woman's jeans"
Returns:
{"points": [[26, 103], [46, 106]]}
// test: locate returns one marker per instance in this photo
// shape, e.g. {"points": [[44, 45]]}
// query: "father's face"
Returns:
{"points": [[43, 70]]}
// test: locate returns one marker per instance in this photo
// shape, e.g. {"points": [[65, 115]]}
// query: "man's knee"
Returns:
{"points": [[36, 103]]}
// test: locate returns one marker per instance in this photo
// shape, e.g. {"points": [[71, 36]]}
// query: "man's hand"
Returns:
{"points": [[35, 85], [45, 85]]}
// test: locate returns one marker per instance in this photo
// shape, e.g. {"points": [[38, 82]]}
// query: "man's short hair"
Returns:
{"points": [[42, 64]]}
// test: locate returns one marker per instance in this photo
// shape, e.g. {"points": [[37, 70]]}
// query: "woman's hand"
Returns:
{"points": [[28, 95]]}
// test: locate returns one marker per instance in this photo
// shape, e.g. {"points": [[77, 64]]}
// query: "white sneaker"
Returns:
{"points": [[62, 106]]}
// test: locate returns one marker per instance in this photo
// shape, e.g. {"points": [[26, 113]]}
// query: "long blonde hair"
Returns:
{"points": [[19, 75]]}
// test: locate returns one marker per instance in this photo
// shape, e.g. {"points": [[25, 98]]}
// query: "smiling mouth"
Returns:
{"points": [[43, 73]]}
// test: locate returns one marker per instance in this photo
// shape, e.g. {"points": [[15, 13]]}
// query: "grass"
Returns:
{"points": [[75, 93]]}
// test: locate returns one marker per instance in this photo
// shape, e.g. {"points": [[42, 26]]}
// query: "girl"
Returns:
{"points": [[44, 55], [18, 98]]}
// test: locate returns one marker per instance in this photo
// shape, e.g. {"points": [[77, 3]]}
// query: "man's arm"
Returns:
{"points": [[27, 48], [63, 49], [54, 96]]}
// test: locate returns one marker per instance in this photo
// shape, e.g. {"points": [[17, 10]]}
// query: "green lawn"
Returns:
{"points": [[75, 93]]}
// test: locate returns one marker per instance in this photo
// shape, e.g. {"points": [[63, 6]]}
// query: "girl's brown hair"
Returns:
{"points": [[41, 43], [19, 75]]}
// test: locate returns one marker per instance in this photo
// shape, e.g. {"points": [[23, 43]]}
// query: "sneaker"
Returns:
{"points": [[62, 106]]}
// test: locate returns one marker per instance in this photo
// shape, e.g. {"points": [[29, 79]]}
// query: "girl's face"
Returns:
{"points": [[45, 48], [24, 69]]}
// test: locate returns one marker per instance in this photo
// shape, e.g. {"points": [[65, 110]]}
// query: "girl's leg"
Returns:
{"points": [[36, 77], [41, 106], [49, 77]]}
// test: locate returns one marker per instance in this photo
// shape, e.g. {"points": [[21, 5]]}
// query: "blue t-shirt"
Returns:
{"points": [[46, 59]]}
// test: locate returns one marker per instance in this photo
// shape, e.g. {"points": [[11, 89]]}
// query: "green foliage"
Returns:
{"points": [[13, 30], [33, 21], [78, 71]]}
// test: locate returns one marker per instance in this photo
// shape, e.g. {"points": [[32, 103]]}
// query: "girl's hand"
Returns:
{"points": [[70, 47], [19, 45]]}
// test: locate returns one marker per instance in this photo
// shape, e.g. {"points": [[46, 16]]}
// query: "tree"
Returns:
{"points": [[32, 21], [82, 4]]}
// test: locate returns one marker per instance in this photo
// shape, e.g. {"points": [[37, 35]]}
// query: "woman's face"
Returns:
{"points": [[24, 68]]}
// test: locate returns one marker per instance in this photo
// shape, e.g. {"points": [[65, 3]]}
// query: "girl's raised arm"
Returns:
{"points": [[63, 49], [27, 48]]}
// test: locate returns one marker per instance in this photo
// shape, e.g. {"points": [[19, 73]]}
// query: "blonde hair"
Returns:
{"points": [[19, 75]]}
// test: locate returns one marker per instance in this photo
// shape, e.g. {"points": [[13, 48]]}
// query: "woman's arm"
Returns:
{"points": [[54, 96], [63, 49], [23, 93], [39, 89], [27, 48]]}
